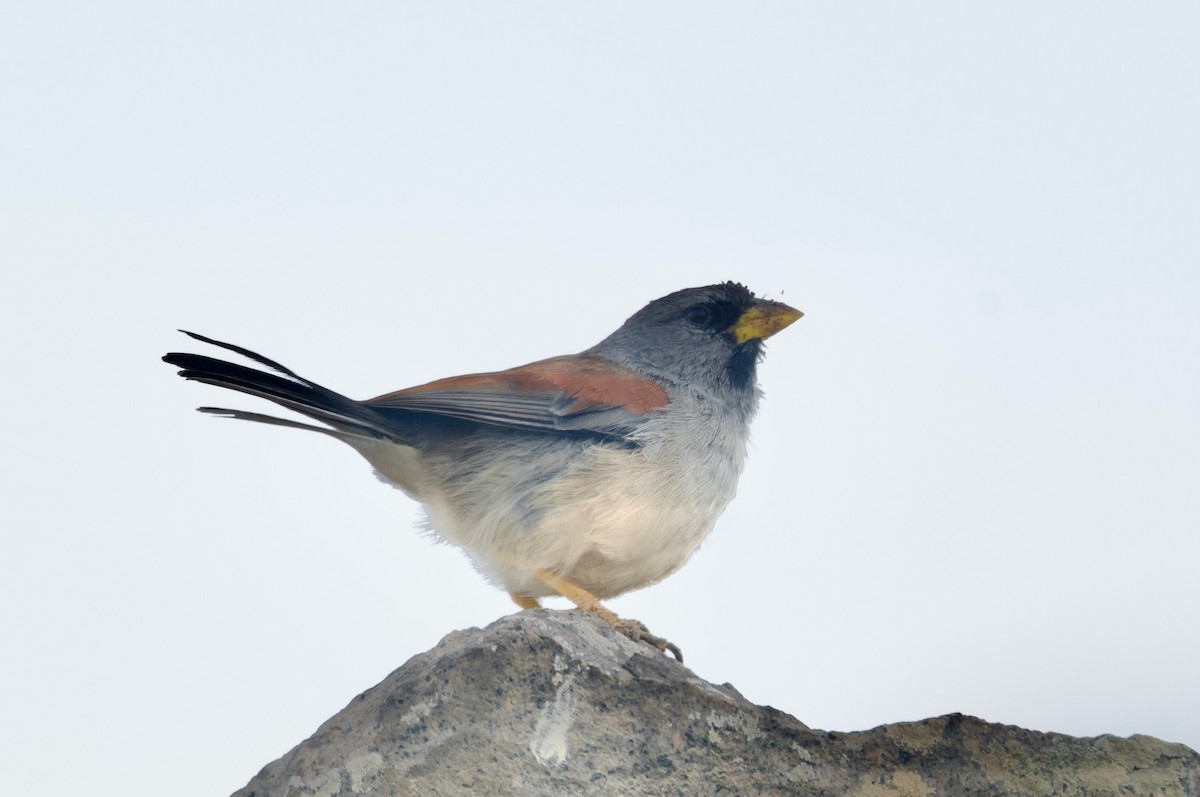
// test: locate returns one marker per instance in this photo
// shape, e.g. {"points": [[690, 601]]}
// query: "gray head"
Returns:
{"points": [[710, 337]]}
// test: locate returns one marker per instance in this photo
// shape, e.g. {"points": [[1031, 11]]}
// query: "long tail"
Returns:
{"points": [[347, 416]]}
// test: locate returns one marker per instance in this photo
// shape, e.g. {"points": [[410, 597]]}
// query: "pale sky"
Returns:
{"points": [[973, 485]]}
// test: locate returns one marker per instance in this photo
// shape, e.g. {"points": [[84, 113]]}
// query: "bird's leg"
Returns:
{"points": [[589, 603], [525, 602]]}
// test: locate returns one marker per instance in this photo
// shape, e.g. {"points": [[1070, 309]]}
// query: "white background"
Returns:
{"points": [[973, 485]]}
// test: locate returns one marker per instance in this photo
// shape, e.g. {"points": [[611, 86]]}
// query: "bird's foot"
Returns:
{"points": [[638, 632], [634, 629], [589, 603]]}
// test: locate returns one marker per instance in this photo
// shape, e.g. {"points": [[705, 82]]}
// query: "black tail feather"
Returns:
{"points": [[292, 390], [258, 358], [258, 417]]}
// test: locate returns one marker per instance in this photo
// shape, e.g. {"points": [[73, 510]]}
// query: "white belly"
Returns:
{"points": [[609, 519]]}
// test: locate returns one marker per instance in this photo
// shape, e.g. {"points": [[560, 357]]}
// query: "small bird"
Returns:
{"points": [[583, 476]]}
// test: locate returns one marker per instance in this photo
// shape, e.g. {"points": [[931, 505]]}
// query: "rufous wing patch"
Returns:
{"points": [[591, 382]]}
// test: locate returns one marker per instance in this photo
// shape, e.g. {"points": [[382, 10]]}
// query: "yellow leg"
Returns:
{"points": [[589, 603], [524, 602], [572, 592]]}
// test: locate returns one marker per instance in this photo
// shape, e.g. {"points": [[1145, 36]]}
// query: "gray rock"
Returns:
{"points": [[556, 703]]}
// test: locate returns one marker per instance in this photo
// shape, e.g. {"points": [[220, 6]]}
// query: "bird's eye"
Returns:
{"points": [[699, 314]]}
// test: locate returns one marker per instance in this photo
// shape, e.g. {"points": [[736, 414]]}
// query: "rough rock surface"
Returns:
{"points": [[555, 703]]}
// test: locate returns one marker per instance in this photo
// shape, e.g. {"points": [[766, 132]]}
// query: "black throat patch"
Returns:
{"points": [[740, 370]]}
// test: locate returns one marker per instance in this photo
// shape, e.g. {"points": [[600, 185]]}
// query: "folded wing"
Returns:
{"points": [[572, 393], [577, 393]]}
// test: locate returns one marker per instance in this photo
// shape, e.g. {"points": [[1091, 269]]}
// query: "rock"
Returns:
{"points": [[556, 703]]}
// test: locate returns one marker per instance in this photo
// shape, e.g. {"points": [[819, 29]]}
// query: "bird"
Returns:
{"points": [[584, 476]]}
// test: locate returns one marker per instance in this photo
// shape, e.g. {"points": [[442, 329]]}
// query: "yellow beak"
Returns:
{"points": [[763, 320]]}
